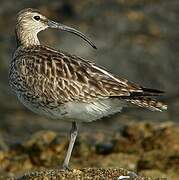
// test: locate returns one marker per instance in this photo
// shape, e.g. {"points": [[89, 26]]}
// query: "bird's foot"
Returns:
{"points": [[65, 167]]}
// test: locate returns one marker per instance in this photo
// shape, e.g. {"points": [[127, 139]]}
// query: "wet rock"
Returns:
{"points": [[162, 138], [104, 148], [131, 137], [41, 139], [83, 148]]}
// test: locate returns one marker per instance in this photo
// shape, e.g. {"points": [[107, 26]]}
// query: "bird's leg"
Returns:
{"points": [[73, 135]]}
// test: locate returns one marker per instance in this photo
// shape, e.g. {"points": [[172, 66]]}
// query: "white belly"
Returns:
{"points": [[86, 112], [75, 111]]}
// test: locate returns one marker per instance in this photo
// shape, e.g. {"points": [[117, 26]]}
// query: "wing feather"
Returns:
{"points": [[61, 77]]}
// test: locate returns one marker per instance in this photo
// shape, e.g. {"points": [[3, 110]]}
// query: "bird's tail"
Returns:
{"points": [[148, 103], [143, 99], [146, 92]]}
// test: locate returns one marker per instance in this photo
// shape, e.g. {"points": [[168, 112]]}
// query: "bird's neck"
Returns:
{"points": [[26, 38]]}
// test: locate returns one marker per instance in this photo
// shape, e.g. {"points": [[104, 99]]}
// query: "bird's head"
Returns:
{"points": [[30, 22]]}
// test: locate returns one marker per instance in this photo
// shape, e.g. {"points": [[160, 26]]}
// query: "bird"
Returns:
{"points": [[61, 86]]}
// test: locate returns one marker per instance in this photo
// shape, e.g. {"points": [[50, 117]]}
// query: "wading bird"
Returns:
{"points": [[67, 87]]}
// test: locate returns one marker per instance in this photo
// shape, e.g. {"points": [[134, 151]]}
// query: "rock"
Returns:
{"points": [[144, 147], [104, 148], [87, 173]]}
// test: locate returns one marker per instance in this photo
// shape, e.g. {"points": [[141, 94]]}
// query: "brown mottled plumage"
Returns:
{"points": [[63, 86]]}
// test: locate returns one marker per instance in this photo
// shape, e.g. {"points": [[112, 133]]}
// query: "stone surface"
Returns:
{"points": [[87, 173], [150, 149]]}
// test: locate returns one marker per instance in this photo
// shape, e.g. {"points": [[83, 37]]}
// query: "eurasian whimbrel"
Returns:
{"points": [[63, 86]]}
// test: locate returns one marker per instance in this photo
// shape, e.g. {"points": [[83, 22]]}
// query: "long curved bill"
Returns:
{"points": [[56, 25]]}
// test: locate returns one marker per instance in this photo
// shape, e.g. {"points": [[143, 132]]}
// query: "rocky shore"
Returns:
{"points": [[148, 149], [88, 173]]}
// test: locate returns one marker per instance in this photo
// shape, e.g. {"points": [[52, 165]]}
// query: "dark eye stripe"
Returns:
{"points": [[37, 18]]}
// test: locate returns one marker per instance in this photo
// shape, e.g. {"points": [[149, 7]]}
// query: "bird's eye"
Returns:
{"points": [[37, 18]]}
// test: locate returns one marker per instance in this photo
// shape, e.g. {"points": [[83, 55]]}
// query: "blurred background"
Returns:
{"points": [[136, 39]]}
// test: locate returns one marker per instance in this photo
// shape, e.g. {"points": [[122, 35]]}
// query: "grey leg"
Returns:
{"points": [[73, 135]]}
